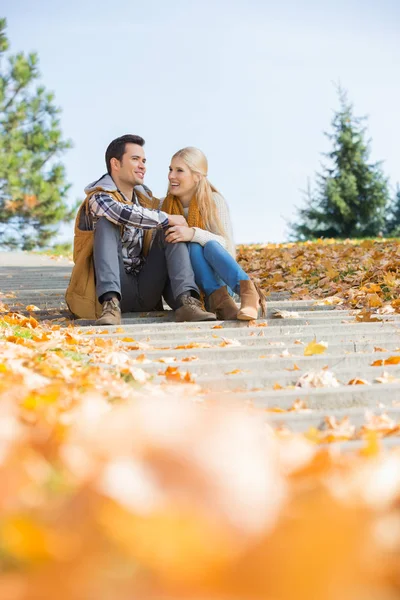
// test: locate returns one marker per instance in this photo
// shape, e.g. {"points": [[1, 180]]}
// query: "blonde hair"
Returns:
{"points": [[197, 162]]}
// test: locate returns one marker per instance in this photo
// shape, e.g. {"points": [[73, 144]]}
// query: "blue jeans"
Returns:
{"points": [[214, 267]]}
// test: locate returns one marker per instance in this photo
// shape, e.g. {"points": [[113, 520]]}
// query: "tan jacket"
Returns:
{"points": [[81, 292]]}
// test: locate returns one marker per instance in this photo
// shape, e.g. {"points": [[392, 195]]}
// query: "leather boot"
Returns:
{"points": [[191, 309], [250, 299], [223, 305], [111, 313]]}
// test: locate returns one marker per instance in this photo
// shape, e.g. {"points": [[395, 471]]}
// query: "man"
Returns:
{"points": [[133, 262]]}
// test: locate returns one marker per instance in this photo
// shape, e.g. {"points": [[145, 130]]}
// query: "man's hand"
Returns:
{"points": [[176, 220], [179, 233]]}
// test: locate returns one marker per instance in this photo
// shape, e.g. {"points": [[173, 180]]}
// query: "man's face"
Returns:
{"points": [[132, 168]]}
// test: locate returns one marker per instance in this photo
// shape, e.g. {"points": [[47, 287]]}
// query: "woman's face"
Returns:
{"points": [[182, 182]]}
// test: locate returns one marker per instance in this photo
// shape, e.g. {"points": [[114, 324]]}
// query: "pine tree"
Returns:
{"points": [[33, 189], [392, 225], [351, 193]]}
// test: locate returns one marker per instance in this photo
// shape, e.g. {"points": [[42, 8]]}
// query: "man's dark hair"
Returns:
{"points": [[116, 149]]}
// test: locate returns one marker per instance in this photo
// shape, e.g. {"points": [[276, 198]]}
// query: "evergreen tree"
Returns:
{"points": [[33, 189], [392, 225], [351, 193]]}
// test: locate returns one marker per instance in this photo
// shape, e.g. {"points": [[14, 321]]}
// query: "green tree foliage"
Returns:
{"points": [[350, 194], [392, 225], [33, 189]]}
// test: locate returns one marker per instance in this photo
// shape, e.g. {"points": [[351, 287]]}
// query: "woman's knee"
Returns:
{"points": [[212, 244], [195, 249], [212, 247]]}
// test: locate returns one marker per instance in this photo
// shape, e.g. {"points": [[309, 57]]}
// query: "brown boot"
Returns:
{"points": [[251, 297], [223, 304], [111, 313], [192, 310]]}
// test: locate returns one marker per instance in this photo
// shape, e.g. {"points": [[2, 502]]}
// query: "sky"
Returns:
{"points": [[251, 83]]}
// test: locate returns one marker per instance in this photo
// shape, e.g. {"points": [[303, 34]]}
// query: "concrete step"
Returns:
{"points": [[268, 351], [265, 379], [258, 337], [303, 420], [327, 399], [207, 366]]}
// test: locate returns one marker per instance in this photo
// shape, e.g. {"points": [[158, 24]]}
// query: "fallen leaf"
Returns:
{"points": [[32, 308], [285, 314], [392, 360], [277, 386], [315, 347], [316, 379]]}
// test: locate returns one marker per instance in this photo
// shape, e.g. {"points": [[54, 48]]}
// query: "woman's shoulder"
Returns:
{"points": [[220, 201], [218, 198]]}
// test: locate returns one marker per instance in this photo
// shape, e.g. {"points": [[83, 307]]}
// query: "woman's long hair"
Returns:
{"points": [[197, 162]]}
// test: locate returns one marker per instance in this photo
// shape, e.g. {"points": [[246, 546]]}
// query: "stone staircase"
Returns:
{"points": [[258, 363]]}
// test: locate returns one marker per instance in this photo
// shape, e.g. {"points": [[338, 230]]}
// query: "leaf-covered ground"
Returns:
{"points": [[364, 274], [115, 485]]}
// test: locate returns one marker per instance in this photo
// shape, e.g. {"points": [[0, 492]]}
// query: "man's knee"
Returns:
{"points": [[104, 226]]}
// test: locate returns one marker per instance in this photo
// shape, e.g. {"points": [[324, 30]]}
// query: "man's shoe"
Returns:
{"points": [[111, 313], [192, 310]]}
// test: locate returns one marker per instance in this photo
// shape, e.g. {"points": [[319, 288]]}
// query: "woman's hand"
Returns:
{"points": [[179, 233]]}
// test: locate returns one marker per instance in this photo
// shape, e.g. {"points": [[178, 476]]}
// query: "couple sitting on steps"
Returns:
{"points": [[131, 249]]}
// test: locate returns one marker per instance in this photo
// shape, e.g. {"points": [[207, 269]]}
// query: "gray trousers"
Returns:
{"points": [[167, 270]]}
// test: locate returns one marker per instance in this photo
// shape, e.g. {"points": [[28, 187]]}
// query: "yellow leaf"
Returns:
{"points": [[374, 300], [23, 539], [315, 347], [372, 447]]}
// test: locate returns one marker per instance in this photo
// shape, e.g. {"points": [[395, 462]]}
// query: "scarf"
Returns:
{"points": [[173, 206]]}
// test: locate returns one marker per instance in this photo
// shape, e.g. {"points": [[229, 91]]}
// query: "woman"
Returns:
{"points": [[209, 237]]}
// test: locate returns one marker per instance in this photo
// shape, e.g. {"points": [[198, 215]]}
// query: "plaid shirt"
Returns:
{"points": [[134, 218]]}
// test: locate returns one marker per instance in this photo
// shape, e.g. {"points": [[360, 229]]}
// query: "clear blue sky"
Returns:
{"points": [[249, 82]]}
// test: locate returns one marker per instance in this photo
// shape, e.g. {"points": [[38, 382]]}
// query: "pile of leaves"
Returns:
{"points": [[121, 487], [364, 274]]}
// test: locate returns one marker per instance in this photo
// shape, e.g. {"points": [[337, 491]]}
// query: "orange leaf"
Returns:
{"points": [[188, 378], [193, 345], [294, 368], [32, 308], [366, 316], [392, 360]]}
